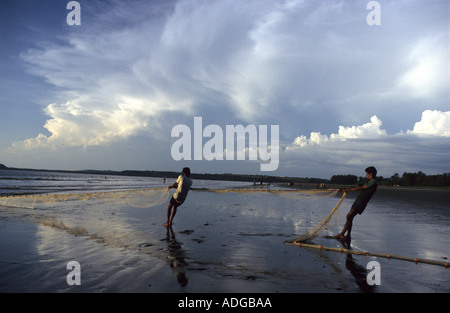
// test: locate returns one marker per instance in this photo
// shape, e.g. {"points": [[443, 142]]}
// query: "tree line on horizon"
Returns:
{"points": [[418, 179]]}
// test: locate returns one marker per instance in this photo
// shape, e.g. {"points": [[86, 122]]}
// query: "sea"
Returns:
{"points": [[220, 242]]}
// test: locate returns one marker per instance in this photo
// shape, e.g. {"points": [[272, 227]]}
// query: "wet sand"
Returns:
{"points": [[220, 243]]}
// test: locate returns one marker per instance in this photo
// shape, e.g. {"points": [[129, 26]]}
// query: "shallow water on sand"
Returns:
{"points": [[222, 242]]}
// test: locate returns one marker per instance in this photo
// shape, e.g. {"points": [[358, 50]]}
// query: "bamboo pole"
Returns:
{"points": [[376, 254]]}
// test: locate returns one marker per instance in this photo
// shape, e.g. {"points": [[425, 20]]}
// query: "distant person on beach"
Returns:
{"points": [[366, 192], [183, 184]]}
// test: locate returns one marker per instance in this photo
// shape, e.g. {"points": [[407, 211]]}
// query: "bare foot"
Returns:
{"points": [[166, 224]]}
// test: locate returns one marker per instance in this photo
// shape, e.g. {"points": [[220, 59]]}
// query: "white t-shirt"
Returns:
{"points": [[184, 184]]}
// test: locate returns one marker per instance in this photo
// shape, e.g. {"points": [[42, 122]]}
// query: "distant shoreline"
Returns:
{"points": [[294, 182], [172, 174]]}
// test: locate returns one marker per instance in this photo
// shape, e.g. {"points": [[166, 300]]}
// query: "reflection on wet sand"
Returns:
{"points": [[176, 257], [358, 272]]}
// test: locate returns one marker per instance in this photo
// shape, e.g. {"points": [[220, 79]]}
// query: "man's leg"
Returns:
{"points": [[174, 211], [348, 224], [169, 212]]}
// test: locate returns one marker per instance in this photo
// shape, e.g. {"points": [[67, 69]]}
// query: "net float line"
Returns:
{"points": [[367, 253]]}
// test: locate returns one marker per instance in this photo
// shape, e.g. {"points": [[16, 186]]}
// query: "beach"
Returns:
{"points": [[220, 242]]}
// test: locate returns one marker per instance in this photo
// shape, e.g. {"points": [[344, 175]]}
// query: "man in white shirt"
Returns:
{"points": [[183, 184]]}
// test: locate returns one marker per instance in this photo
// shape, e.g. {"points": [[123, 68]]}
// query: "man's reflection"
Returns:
{"points": [[176, 257], [358, 272]]}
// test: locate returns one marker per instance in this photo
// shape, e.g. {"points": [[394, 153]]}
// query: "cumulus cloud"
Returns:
{"points": [[365, 131], [358, 146], [74, 124], [433, 123]]}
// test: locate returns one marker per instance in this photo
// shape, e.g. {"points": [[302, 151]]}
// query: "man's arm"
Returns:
{"points": [[356, 188], [175, 184]]}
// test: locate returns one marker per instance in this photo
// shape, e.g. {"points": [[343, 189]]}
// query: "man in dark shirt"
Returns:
{"points": [[366, 192]]}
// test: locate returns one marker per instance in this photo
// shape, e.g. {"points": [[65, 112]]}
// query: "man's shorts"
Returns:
{"points": [[358, 207], [175, 202]]}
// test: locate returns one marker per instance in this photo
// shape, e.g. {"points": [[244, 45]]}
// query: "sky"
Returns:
{"points": [[344, 92]]}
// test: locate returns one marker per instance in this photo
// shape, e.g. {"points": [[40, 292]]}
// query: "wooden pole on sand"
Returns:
{"points": [[358, 252]]}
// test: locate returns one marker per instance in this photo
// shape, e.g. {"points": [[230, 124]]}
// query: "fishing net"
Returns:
{"points": [[314, 231], [139, 198], [147, 198], [286, 193]]}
